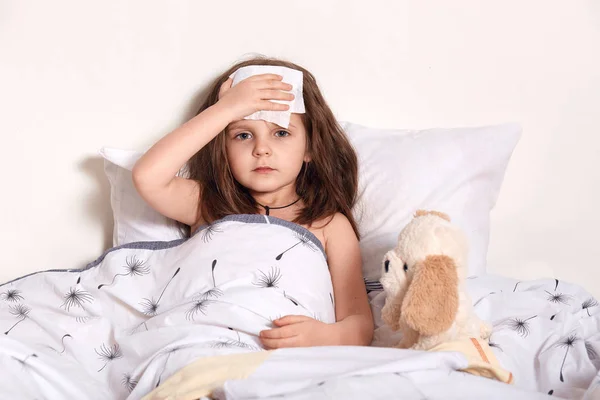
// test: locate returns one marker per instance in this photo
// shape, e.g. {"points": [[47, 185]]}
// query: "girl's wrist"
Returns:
{"points": [[335, 334], [224, 112]]}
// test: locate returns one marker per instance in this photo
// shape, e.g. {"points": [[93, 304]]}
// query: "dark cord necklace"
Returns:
{"points": [[267, 208]]}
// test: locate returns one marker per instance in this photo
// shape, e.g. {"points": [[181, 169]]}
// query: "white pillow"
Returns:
{"points": [[458, 171], [134, 219]]}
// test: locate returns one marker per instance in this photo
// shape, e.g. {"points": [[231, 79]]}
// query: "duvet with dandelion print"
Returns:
{"points": [[545, 332], [117, 328]]}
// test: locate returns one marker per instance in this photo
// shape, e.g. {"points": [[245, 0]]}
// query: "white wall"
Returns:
{"points": [[75, 76]]}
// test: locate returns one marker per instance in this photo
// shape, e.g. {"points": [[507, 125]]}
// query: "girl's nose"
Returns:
{"points": [[261, 148]]}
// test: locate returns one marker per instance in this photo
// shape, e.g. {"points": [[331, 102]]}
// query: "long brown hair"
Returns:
{"points": [[327, 184]]}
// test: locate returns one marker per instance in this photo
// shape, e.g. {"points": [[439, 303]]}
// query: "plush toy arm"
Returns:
{"points": [[390, 313]]}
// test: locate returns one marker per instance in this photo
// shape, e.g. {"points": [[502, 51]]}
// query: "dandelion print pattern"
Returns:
{"points": [[76, 298], [304, 240], [108, 354], [129, 382], [20, 311], [83, 320], [133, 267], [232, 343], [521, 326], [293, 300], [589, 303], [214, 291], [268, 280], [484, 297], [207, 233], [62, 340], [150, 306], [12, 295], [495, 345], [137, 327], [558, 298], [199, 306], [24, 361], [567, 343], [164, 366]]}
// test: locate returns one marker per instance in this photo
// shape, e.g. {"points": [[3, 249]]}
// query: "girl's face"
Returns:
{"points": [[264, 157]]}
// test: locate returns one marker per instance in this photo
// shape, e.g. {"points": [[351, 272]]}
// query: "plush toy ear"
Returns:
{"points": [[431, 302], [420, 213]]}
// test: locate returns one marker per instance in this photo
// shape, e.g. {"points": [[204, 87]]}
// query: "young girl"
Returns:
{"points": [[305, 174]]}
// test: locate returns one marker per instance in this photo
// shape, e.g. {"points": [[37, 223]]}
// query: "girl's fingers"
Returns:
{"points": [[279, 343], [273, 84], [260, 77], [272, 106], [278, 333], [276, 95], [225, 87], [280, 85], [291, 319]]}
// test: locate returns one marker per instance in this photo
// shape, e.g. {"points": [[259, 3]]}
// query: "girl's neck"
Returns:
{"points": [[276, 199], [283, 203], [269, 208]]}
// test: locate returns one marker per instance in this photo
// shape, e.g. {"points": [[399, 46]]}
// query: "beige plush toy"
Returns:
{"points": [[424, 283]]}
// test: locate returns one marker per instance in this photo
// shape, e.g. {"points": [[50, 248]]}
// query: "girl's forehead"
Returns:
{"points": [[295, 123]]}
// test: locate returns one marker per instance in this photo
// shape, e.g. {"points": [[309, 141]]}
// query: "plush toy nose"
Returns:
{"points": [[386, 264]]}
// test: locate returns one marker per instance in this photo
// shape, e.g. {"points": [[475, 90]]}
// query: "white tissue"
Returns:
{"points": [[291, 76]]}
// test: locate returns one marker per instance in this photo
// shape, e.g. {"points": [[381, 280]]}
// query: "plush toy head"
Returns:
{"points": [[421, 275]]}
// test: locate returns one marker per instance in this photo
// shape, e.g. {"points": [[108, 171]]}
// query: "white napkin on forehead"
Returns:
{"points": [[291, 76]]}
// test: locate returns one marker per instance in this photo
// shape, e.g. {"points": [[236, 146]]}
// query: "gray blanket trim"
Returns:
{"points": [[260, 219]]}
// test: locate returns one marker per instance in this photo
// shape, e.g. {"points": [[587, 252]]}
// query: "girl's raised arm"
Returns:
{"points": [[154, 175]]}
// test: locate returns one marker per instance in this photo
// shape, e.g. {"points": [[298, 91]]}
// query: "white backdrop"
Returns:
{"points": [[75, 76]]}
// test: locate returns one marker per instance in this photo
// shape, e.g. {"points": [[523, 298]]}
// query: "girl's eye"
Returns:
{"points": [[282, 133], [243, 136]]}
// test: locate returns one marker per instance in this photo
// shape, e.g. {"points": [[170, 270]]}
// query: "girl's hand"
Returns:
{"points": [[298, 331], [254, 94]]}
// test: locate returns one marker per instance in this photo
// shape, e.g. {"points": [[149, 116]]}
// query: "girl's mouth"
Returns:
{"points": [[263, 170]]}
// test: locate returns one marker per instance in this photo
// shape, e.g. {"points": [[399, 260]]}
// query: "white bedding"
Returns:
{"points": [[546, 332], [139, 328], [143, 310]]}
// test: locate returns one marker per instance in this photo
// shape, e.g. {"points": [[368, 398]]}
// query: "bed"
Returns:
{"points": [[158, 315]]}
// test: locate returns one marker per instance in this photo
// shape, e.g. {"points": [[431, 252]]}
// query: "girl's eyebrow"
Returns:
{"points": [[241, 126]]}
